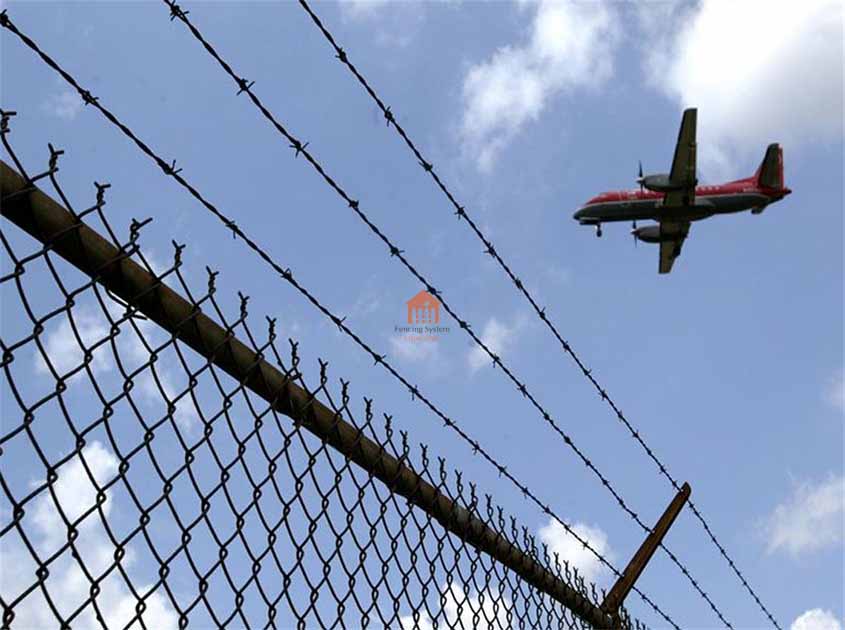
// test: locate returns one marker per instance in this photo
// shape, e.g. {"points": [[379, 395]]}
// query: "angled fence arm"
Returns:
{"points": [[626, 581]]}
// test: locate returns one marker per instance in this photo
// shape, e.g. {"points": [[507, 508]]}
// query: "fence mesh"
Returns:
{"points": [[144, 486]]}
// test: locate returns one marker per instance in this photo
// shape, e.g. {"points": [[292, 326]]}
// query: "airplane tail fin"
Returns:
{"points": [[770, 173]]}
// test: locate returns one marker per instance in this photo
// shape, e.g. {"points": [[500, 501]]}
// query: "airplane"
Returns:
{"points": [[675, 199]]}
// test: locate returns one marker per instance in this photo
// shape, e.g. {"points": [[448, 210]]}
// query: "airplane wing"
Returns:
{"points": [[683, 164], [670, 248]]}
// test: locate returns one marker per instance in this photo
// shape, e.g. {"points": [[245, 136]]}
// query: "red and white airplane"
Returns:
{"points": [[675, 200]]}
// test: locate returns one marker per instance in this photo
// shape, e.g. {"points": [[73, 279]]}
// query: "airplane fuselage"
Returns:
{"points": [[635, 205], [674, 199]]}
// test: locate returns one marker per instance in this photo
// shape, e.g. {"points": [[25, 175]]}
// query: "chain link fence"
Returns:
{"points": [[164, 465]]}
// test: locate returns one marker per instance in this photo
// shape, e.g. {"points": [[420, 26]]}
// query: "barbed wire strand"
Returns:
{"points": [[300, 147], [461, 213], [286, 274], [98, 257], [245, 86]]}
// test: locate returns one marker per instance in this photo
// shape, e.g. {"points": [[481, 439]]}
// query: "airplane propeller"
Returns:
{"points": [[640, 182]]}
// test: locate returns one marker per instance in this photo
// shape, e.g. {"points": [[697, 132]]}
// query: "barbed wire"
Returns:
{"points": [[199, 486], [300, 147], [170, 170], [461, 213]]}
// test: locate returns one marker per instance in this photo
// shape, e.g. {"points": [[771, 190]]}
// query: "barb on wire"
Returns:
{"points": [[394, 251], [193, 468], [461, 212], [287, 276]]}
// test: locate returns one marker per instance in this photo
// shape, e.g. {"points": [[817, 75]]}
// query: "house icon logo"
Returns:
{"points": [[423, 323], [423, 308]]}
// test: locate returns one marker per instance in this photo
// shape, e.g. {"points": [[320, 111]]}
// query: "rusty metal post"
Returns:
{"points": [[49, 222], [626, 581]]}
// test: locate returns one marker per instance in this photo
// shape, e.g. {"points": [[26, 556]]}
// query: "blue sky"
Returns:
{"points": [[731, 367]]}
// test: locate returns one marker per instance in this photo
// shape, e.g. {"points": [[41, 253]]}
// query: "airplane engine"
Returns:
{"points": [[650, 234], [659, 183]]}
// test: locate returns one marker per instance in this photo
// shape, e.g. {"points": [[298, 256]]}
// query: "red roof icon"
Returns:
{"points": [[423, 308]]}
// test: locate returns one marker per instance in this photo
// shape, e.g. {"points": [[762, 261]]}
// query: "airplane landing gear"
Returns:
{"points": [[598, 230]]}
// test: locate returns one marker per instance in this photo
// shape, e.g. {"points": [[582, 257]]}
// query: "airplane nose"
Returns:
{"points": [[578, 214]]}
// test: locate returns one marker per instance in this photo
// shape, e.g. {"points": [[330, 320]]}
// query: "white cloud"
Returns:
{"points": [[157, 265], [568, 548], [363, 9], [759, 71], [76, 494], [481, 603], [65, 354], [810, 519], [465, 611], [835, 392], [393, 23], [63, 349], [412, 350], [424, 623], [67, 584], [498, 337], [367, 303], [570, 45], [185, 414], [816, 619], [65, 105]]}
